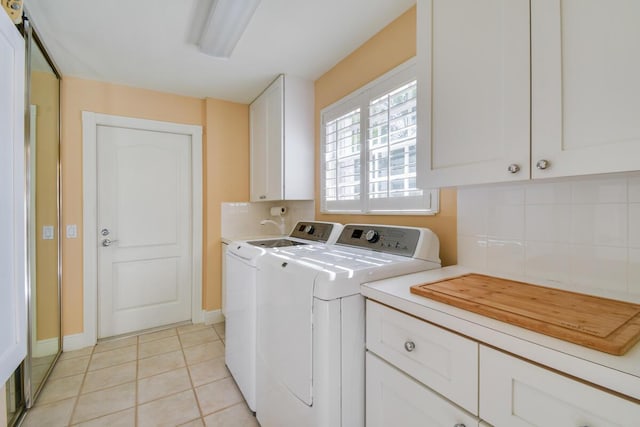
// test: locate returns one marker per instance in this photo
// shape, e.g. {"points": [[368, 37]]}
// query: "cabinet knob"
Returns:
{"points": [[409, 345], [543, 164], [513, 168]]}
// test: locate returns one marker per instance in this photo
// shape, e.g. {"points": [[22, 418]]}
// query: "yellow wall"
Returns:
{"points": [[392, 46], [225, 166], [44, 95]]}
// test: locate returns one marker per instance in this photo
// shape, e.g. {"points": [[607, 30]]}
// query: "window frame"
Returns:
{"points": [[427, 204]]}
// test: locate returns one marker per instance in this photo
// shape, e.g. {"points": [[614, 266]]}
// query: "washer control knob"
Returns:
{"points": [[372, 236], [310, 229], [409, 345]]}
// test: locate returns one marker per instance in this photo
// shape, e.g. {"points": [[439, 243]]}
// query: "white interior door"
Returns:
{"points": [[144, 229]]}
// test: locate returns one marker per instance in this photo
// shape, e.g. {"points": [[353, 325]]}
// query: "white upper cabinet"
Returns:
{"points": [[281, 134], [585, 86], [473, 82], [13, 301], [513, 90]]}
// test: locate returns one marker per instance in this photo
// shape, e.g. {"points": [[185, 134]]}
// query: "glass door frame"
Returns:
{"points": [[31, 38]]}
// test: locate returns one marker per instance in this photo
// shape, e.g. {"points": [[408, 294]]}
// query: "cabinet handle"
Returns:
{"points": [[409, 346], [543, 164], [263, 197], [513, 168], [459, 425]]}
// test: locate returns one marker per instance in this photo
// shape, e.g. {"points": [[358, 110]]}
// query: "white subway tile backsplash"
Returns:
{"points": [[606, 189], [506, 222], [548, 193], [548, 223], [547, 261], [242, 219], [634, 271], [634, 225], [473, 213], [506, 195], [599, 267], [472, 252], [580, 233], [505, 257], [634, 188], [601, 224]]}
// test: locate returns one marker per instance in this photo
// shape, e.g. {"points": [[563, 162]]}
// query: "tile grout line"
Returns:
{"points": [[84, 378], [136, 397], [94, 352], [193, 388]]}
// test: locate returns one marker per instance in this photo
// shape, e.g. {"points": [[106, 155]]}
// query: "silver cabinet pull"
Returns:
{"points": [[513, 168], [459, 425], [263, 197], [543, 164], [409, 346], [107, 242]]}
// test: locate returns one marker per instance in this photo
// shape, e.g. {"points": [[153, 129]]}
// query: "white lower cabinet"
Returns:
{"points": [[419, 374], [395, 399], [516, 393], [446, 362]]}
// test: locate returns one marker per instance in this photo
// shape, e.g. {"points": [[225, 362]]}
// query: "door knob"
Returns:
{"points": [[105, 232], [107, 242]]}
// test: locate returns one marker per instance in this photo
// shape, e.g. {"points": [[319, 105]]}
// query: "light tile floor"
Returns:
{"points": [[174, 377]]}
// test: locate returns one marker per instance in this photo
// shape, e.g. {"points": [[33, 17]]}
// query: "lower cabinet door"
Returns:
{"points": [[516, 393], [395, 399]]}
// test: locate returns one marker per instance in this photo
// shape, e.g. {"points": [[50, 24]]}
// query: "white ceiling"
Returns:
{"points": [[150, 43]]}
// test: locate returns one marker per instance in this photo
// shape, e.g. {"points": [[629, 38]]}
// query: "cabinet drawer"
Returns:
{"points": [[444, 361], [393, 398], [516, 393]]}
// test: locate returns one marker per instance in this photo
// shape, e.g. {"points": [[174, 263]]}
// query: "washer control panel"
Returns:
{"points": [[315, 231], [382, 238]]}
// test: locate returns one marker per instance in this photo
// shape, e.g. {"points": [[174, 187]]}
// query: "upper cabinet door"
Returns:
{"points": [[281, 122], [267, 144], [585, 86], [13, 302], [474, 86]]}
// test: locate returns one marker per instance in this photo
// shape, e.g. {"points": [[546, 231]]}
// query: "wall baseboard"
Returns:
{"points": [[76, 342], [213, 316], [82, 340], [45, 347]]}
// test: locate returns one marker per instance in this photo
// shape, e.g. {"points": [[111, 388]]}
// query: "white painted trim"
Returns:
{"points": [[90, 121], [213, 317], [45, 347], [76, 342]]}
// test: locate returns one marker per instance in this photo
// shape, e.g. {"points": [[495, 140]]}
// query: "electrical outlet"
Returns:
{"points": [[47, 232], [72, 231]]}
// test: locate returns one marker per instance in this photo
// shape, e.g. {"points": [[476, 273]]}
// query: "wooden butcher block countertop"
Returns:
{"points": [[602, 324]]}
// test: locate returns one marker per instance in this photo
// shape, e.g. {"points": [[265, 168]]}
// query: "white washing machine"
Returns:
{"points": [[311, 349], [240, 303]]}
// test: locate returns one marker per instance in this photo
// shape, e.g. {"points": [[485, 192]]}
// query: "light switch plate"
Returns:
{"points": [[72, 231], [47, 232]]}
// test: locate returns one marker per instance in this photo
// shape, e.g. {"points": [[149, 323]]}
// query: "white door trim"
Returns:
{"points": [[90, 122]]}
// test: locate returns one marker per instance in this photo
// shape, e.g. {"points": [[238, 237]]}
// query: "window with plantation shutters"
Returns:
{"points": [[370, 150]]}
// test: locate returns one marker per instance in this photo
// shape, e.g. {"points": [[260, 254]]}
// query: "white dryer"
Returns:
{"points": [[240, 303], [311, 349]]}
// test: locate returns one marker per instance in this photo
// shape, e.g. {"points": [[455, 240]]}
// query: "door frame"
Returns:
{"points": [[90, 122]]}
